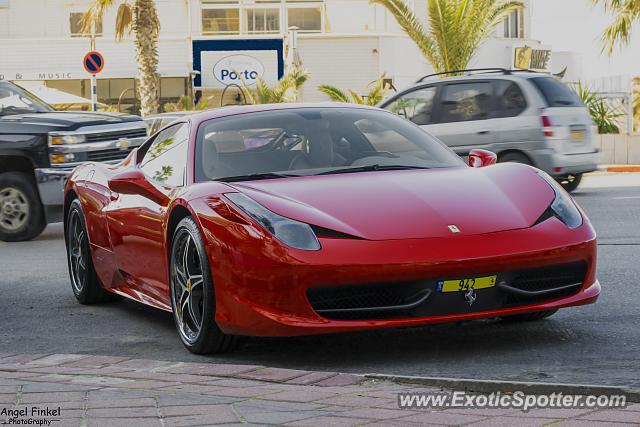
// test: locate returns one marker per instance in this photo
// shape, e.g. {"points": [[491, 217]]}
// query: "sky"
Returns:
{"points": [[576, 25]]}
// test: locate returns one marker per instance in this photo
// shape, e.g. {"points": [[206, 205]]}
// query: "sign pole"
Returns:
{"points": [[94, 63], [94, 93]]}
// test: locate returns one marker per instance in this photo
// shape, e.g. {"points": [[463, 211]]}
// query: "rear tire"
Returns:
{"points": [[570, 182], [529, 317], [21, 213], [84, 280], [193, 300], [515, 158]]}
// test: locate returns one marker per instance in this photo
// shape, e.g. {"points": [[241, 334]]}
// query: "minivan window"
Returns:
{"points": [[556, 93], [511, 100], [416, 106], [466, 101]]}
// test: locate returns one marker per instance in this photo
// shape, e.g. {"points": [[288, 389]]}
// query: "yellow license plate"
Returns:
{"points": [[463, 285], [577, 135]]}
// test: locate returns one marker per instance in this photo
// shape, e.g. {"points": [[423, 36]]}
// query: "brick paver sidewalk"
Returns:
{"points": [[117, 391]]}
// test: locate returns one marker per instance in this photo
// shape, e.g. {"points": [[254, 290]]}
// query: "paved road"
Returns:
{"points": [[597, 344]]}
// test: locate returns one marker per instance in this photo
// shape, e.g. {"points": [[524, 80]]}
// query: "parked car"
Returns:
{"points": [[524, 117], [298, 219], [38, 149], [158, 121]]}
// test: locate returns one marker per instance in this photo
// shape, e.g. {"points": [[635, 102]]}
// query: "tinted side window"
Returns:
{"points": [[511, 100], [466, 101], [166, 159], [416, 106], [556, 93]]}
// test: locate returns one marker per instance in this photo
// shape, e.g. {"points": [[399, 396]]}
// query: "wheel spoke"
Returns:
{"points": [[195, 316], [196, 280]]}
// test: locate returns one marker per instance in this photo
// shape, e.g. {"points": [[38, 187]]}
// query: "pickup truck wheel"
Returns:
{"points": [[21, 213]]}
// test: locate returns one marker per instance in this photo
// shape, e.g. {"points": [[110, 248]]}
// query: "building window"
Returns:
{"points": [[220, 18], [307, 19], [513, 25], [75, 25], [262, 21]]}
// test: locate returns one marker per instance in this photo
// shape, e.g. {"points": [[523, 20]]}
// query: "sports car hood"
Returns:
{"points": [[410, 204]]}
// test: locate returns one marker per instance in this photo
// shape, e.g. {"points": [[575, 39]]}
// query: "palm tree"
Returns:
{"points": [[377, 92], [604, 116], [285, 90], [141, 18], [457, 28], [626, 13]]}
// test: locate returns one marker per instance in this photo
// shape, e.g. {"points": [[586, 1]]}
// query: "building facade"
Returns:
{"points": [[215, 44]]}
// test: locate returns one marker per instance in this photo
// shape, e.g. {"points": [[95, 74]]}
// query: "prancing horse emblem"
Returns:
{"points": [[470, 296]]}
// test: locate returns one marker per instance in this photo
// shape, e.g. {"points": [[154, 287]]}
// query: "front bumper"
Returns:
{"points": [[51, 182], [262, 289]]}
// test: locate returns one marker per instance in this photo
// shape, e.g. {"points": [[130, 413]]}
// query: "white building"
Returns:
{"points": [[346, 43]]}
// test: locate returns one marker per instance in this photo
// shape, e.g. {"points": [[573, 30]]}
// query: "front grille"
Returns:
{"points": [[377, 300], [108, 155], [116, 135], [370, 301], [555, 282]]}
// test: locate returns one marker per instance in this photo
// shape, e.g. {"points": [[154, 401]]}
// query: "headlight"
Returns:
{"points": [[563, 206], [65, 139], [290, 232]]}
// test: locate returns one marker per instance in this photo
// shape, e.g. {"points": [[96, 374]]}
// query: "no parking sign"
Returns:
{"points": [[93, 62]]}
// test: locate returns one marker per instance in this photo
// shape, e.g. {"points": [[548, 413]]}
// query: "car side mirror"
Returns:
{"points": [[133, 181], [480, 158]]}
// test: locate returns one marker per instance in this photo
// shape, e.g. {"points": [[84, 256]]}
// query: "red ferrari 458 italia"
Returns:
{"points": [[305, 219]]}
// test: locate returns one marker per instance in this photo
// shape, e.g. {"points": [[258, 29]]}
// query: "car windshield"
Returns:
{"points": [[15, 100], [314, 141]]}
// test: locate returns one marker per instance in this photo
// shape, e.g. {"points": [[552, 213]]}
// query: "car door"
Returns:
{"points": [[517, 124], [136, 222], [463, 118]]}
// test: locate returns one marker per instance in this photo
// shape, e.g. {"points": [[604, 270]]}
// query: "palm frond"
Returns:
{"points": [[94, 14], [124, 19], [457, 28], [411, 25], [334, 93]]}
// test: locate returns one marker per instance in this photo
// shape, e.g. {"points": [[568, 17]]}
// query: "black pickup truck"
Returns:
{"points": [[39, 148]]}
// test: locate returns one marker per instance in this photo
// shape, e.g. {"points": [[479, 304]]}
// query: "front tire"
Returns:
{"points": [[21, 213], [84, 280], [192, 291]]}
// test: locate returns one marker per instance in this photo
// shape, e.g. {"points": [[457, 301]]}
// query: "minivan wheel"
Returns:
{"points": [[515, 158], [570, 182]]}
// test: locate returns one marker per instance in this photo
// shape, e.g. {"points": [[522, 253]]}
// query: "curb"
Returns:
{"points": [[492, 386], [622, 168]]}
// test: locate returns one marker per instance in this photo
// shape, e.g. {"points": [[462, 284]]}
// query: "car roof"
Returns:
{"points": [[482, 76]]}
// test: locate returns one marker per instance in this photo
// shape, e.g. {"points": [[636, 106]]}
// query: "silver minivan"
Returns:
{"points": [[523, 117]]}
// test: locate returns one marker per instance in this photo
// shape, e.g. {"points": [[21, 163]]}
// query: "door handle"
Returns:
{"points": [[483, 132]]}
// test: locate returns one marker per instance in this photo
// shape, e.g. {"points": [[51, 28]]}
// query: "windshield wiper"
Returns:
{"points": [[255, 177], [371, 168]]}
